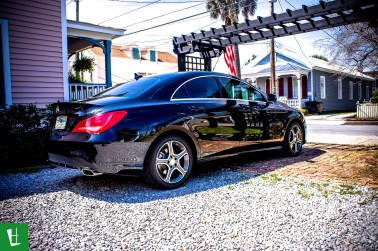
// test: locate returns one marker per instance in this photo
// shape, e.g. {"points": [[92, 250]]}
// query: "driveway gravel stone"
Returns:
{"points": [[218, 208]]}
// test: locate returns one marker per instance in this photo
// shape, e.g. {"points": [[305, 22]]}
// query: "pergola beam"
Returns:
{"points": [[309, 18]]}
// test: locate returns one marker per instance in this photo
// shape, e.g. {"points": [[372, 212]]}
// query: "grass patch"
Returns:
{"points": [[349, 190], [272, 178], [369, 200], [326, 189], [304, 194], [247, 182]]}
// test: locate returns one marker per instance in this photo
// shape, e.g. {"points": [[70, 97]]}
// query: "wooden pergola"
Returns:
{"points": [[211, 43]]}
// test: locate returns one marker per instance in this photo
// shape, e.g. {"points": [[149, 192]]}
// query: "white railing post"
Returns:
{"points": [[82, 91], [299, 81]]}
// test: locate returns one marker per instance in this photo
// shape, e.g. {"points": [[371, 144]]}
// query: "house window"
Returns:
{"points": [[5, 83], [152, 56], [136, 54], [339, 88], [322, 87], [359, 91], [350, 90], [295, 88], [373, 88], [367, 93]]}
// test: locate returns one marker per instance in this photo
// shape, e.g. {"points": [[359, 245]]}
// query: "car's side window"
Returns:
{"points": [[240, 90], [181, 93], [204, 87]]}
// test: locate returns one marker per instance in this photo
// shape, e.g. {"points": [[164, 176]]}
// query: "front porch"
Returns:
{"points": [[82, 36], [291, 89], [78, 91], [294, 102]]}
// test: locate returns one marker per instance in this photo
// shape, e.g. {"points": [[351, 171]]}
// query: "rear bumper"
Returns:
{"points": [[102, 158]]}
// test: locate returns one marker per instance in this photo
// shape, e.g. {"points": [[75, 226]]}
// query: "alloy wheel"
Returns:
{"points": [[172, 161], [295, 138]]}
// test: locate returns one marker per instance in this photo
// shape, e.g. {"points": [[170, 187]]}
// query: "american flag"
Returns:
{"points": [[229, 57]]}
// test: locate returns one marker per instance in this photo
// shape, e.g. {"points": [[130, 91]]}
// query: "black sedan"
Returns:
{"points": [[160, 126]]}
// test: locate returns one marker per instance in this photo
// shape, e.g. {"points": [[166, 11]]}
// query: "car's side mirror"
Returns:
{"points": [[272, 97]]}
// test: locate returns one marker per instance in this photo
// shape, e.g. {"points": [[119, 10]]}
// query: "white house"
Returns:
{"points": [[301, 79], [127, 60]]}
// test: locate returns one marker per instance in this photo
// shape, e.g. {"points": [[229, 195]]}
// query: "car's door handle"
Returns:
{"points": [[195, 108]]}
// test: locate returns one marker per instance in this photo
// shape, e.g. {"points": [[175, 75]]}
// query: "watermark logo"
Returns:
{"points": [[13, 236]]}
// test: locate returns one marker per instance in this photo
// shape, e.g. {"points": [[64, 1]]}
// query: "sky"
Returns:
{"points": [[137, 15]]}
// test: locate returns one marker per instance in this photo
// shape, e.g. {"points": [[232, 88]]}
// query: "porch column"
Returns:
{"points": [[298, 75], [108, 66]]}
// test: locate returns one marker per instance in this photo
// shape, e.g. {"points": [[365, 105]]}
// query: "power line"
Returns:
{"points": [[164, 24], [163, 15], [299, 45], [126, 1], [129, 12], [183, 20], [177, 20], [114, 75], [194, 31], [289, 4], [280, 45]]}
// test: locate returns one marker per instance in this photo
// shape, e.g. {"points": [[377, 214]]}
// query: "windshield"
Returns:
{"points": [[130, 89]]}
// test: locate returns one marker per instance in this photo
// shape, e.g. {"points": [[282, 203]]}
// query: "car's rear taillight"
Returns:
{"points": [[99, 123]]}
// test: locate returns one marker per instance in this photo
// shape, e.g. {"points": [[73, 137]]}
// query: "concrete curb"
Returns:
{"points": [[361, 122]]}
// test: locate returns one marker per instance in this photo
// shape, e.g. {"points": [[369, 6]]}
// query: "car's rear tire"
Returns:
{"points": [[293, 141], [168, 163]]}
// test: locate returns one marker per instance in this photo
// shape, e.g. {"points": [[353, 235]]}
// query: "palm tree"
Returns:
{"points": [[228, 11]]}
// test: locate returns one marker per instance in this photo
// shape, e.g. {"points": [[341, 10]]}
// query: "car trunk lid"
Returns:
{"points": [[66, 115]]}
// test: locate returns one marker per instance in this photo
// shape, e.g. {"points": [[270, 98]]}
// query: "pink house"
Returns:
{"points": [[35, 42]]}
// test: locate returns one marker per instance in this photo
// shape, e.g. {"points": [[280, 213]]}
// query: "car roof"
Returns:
{"points": [[172, 81], [189, 74]]}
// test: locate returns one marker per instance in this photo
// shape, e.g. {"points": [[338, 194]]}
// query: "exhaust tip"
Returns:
{"points": [[88, 172]]}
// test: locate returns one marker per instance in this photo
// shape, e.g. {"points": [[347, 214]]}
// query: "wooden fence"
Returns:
{"points": [[367, 110]]}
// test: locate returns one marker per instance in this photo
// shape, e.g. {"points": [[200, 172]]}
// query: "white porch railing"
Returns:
{"points": [[367, 110], [82, 91], [294, 102]]}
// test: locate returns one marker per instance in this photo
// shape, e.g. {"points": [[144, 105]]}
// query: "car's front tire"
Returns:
{"points": [[168, 163], [293, 141]]}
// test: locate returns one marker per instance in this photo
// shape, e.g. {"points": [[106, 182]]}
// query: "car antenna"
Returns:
{"points": [[137, 76]]}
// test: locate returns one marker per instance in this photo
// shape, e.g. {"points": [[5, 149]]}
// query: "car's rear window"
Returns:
{"points": [[130, 89]]}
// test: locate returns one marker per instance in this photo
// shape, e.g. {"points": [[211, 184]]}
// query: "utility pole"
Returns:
{"points": [[77, 54], [77, 10], [272, 55]]}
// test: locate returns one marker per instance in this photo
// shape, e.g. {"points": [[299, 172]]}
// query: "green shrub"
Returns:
{"points": [[23, 134], [374, 97], [303, 110]]}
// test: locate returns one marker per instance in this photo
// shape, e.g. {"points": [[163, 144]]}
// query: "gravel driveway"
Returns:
{"points": [[217, 209]]}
